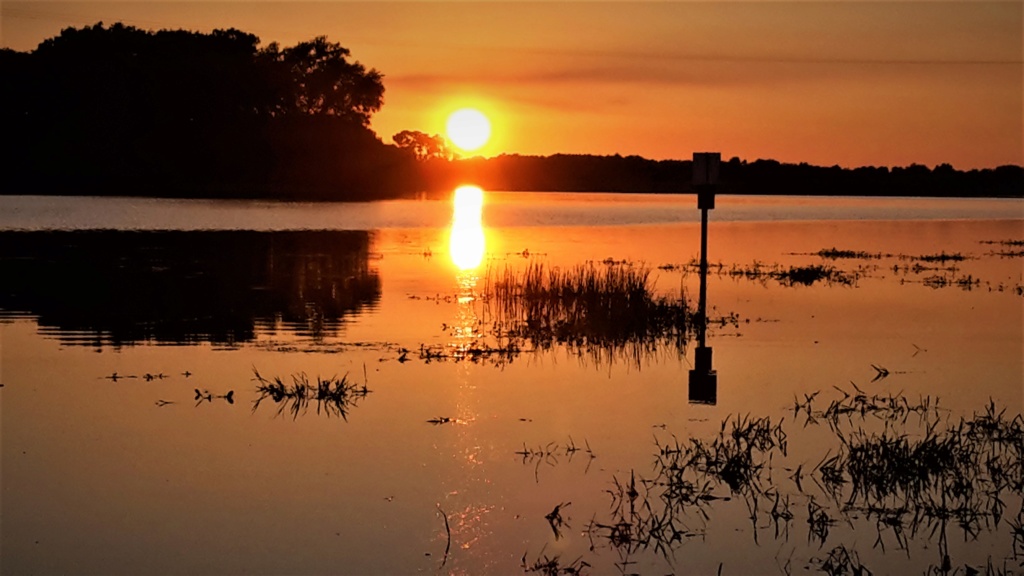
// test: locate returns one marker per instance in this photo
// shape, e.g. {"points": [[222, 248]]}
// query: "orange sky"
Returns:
{"points": [[848, 83]]}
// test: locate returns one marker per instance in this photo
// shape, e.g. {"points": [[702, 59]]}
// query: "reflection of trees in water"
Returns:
{"points": [[123, 287], [909, 472]]}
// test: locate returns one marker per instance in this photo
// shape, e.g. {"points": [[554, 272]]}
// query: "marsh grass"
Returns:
{"points": [[939, 270], [553, 566], [907, 468], [551, 452], [600, 311], [941, 257], [556, 520], [1010, 248], [477, 351], [843, 254], [330, 396], [788, 276], [837, 254], [841, 561], [808, 275]]}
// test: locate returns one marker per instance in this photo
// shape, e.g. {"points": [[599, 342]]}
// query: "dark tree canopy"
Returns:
{"points": [[423, 145], [115, 109], [323, 81], [221, 73]]}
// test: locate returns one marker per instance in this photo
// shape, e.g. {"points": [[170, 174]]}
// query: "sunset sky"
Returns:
{"points": [[848, 83]]}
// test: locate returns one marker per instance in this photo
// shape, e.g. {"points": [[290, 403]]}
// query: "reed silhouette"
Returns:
{"points": [[331, 396], [602, 313], [906, 469]]}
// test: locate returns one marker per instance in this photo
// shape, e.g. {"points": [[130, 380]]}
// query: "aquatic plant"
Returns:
{"points": [[841, 561], [1009, 242], [912, 478], [549, 454], [786, 276], [1006, 252], [552, 566], [603, 312], [808, 275], [836, 254], [206, 396], [556, 520], [331, 396], [940, 257], [476, 351], [448, 534]]}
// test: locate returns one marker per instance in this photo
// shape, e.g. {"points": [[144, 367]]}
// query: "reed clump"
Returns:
{"points": [[554, 566], [837, 254], [808, 275], [786, 276], [602, 309], [842, 561], [942, 257], [906, 467], [331, 396]]}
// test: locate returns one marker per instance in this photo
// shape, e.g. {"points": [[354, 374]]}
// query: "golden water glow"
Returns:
{"points": [[468, 129], [466, 243]]}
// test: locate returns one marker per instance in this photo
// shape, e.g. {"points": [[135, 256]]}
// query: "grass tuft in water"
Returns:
{"points": [[331, 396], [608, 310], [837, 254], [808, 275], [905, 467], [552, 566]]}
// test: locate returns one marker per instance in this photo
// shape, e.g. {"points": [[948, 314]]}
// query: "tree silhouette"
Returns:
{"points": [[321, 80], [422, 145], [115, 110]]}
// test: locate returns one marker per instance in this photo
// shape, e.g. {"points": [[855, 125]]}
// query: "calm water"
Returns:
{"points": [[126, 323]]}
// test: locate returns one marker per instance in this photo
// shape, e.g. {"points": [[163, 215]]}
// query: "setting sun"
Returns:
{"points": [[468, 129]]}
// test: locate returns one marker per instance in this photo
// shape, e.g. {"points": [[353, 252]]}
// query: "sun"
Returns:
{"points": [[468, 129]]}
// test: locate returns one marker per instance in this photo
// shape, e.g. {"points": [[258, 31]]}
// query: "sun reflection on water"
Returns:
{"points": [[466, 243], [468, 490]]}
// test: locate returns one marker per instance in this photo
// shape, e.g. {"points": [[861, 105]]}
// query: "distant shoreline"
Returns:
{"points": [[444, 195]]}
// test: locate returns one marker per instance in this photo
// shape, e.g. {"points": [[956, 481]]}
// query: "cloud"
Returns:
{"points": [[697, 72]]}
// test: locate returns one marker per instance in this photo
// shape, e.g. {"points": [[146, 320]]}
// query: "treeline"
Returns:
{"points": [[119, 110], [570, 173], [122, 111]]}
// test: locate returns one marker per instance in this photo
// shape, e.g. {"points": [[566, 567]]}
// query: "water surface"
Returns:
{"points": [[126, 323]]}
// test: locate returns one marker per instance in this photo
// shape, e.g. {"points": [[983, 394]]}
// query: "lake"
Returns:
{"points": [[501, 386]]}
